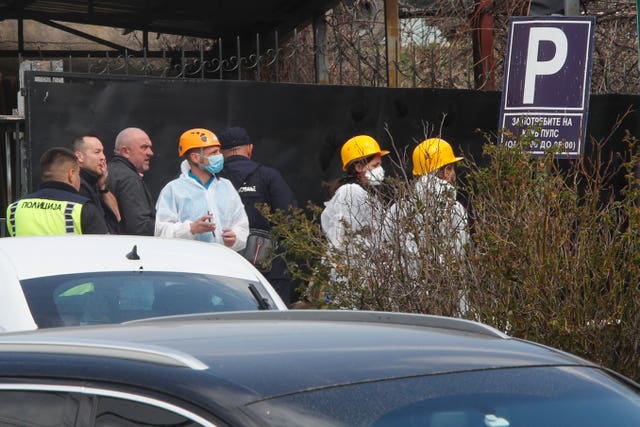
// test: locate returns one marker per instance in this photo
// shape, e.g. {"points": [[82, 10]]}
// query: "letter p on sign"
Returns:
{"points": [[536, 67], [548, 63]]}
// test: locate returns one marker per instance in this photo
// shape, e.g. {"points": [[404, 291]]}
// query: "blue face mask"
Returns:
{"points": [[216, 162]]}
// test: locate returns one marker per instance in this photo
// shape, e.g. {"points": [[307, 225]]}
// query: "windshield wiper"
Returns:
{"points": [[263, 303]]}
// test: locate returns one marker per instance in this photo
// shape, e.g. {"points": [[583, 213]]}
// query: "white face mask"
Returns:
{"points": [[375, 176]]}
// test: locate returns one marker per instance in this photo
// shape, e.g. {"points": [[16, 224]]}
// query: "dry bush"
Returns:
{"points": [[554, 255]]}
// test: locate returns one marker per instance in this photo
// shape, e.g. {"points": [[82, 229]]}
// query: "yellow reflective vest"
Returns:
{"points": [[37, 217]]}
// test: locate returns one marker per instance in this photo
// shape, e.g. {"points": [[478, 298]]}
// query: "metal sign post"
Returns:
{"points": [[547, 81], [638, 31]]}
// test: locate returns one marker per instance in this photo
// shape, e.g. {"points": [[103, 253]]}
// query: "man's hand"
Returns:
{"points": [[203, 225], [102, 177], [228, 237]]}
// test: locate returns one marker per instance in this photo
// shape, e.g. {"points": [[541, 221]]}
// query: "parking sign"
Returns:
{"points": [[547, 79]]}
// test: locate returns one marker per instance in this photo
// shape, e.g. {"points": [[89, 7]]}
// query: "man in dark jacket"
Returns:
{"points": [[258, 184], [126, 170], [57, 207], [93, 179]]}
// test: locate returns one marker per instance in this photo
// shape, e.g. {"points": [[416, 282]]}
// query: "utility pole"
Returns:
{"points": [[320, 49], [572, 7], [638, 28], [482, 21], [392, 29]]}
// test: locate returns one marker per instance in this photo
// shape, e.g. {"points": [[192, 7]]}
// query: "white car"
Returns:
{"points": [[53, 281]]}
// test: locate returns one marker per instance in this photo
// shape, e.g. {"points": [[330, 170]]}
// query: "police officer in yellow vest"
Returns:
{"points": [[57, 207]]}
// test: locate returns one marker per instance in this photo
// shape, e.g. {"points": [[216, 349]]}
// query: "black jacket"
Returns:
{"points": [[137, 208], [257, 183], [89, 189]]}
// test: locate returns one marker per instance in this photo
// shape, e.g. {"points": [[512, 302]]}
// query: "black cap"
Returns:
{"points": [[233, 137]]}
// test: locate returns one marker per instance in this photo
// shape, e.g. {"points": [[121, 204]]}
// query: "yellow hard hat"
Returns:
{"points": [[196, 138], [359, 147], [432, 154]]}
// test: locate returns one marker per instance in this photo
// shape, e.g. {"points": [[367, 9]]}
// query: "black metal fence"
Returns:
{"points": [[347, 46], [432, 61]]}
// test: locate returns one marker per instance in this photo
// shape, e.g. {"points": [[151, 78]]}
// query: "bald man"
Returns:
{"points": [[57, 207], [93, 179], [125, 180]]}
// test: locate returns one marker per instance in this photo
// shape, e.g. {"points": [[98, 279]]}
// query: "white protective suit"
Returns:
{"points": [[431, 215], [437, 197], [350, 205], [456, 223], [185, 200]]}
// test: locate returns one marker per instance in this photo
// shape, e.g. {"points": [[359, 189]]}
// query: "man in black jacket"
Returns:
{"points": [[126, 171], [57, 207], [258, 184], [93, 179]]}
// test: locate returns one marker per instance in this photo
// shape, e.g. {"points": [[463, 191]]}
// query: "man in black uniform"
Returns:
{"points": [[258, 184], [57, 207]]}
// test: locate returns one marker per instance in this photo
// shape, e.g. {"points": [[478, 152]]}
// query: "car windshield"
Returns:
{"points": [[517, 397], [114, 297]]}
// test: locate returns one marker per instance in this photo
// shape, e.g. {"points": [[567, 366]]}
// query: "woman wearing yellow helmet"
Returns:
{"points": [[435, 155], [432, 207], [350, 204]]}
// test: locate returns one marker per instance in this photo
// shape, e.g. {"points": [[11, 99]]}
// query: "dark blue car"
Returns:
{"points": [[302, 368]]}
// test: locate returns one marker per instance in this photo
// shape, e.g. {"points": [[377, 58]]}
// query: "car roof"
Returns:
{"points": [[37, 256], [264, 354]]}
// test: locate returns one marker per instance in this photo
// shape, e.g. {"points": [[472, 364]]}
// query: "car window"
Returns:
{"points": [[113, 412], [37, 408], [114, 297], [518, 397]]}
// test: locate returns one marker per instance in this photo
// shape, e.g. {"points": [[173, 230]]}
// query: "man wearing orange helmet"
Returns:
{"points": [[200, 205], [350, 204]]}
